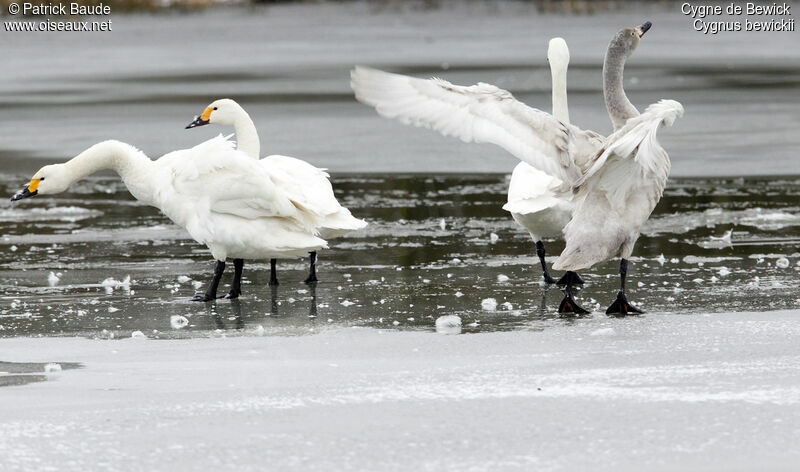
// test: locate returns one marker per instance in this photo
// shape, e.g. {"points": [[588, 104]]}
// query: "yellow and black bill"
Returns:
{"points": [[31, 190], [200, 120]]}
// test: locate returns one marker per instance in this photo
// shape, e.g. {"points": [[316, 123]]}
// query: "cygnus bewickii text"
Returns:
{"points": [[533, 199], [617, 180], [222, 197], [294, 174]]}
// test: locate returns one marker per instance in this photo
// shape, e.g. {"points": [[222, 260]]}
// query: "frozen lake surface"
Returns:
{"points": [[661, 392]]}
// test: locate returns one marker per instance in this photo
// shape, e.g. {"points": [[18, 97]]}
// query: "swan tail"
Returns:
{"points": [[340, 223]]}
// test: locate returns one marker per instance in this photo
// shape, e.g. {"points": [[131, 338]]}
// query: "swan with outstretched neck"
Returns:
{"points": [[222, 197], [533, 199], [615, 181], [298, 175]]}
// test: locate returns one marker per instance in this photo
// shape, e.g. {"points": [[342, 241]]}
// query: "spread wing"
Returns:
{"points": [[637, 140], [632, 160], [481, 113]]}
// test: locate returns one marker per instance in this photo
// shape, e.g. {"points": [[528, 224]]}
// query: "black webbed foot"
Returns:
{"points": [[622, 307]]}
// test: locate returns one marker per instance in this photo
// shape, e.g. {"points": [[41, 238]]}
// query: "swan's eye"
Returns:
{"points": [[41, 178], [215, 108]]}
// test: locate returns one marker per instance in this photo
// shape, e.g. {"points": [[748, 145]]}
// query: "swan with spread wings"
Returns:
{"points": [[616, 180]]}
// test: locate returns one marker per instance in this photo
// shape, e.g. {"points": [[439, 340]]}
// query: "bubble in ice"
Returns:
{"points": [[508, 306], [111, 309], [13, 248], [183, 279], [197, 285], [459, 294], [52, 367], [53, 279], [489, 304], [443, 224], [493, 238], [782, 262], [448, 324], [178, 321], [502, 278], [347, 303], [723, 271], [138, 335], [258, 330], [661, 259]]}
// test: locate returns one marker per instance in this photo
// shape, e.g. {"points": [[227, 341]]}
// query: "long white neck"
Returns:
{"points": [[619, 108], [246, 134], [135, 168], [558, 72]]}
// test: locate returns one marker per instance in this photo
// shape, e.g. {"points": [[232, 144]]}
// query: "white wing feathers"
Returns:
{"points": [[481, 113], [637, 139], [308, 187], [228, 181]]}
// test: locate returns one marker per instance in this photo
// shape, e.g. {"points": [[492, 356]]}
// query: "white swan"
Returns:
{"points": [[296, 177], [533, 200], [222, 197], [617, 180]]}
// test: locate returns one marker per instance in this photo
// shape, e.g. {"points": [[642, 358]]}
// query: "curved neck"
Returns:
{"points": [[246, 134], [559, 78], [619, 108], [132, 165]]}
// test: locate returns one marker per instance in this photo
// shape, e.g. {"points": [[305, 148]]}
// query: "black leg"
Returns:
{"points": [[273, 272], [540, 252], [312, 268], [236, 285], [211, 293], [621, 305], [568, 304]]}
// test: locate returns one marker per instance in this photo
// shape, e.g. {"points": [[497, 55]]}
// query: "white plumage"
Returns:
{"points": [[238, 207], [304, 182], [533, 198], [616, 181], [235, 205], [535, 204]]}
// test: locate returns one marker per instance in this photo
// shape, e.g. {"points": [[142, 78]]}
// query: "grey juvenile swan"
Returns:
{"points": [[616, 181]]}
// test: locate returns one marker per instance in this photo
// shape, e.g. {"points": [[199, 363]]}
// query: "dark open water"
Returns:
{"points": [[402, 272]]}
